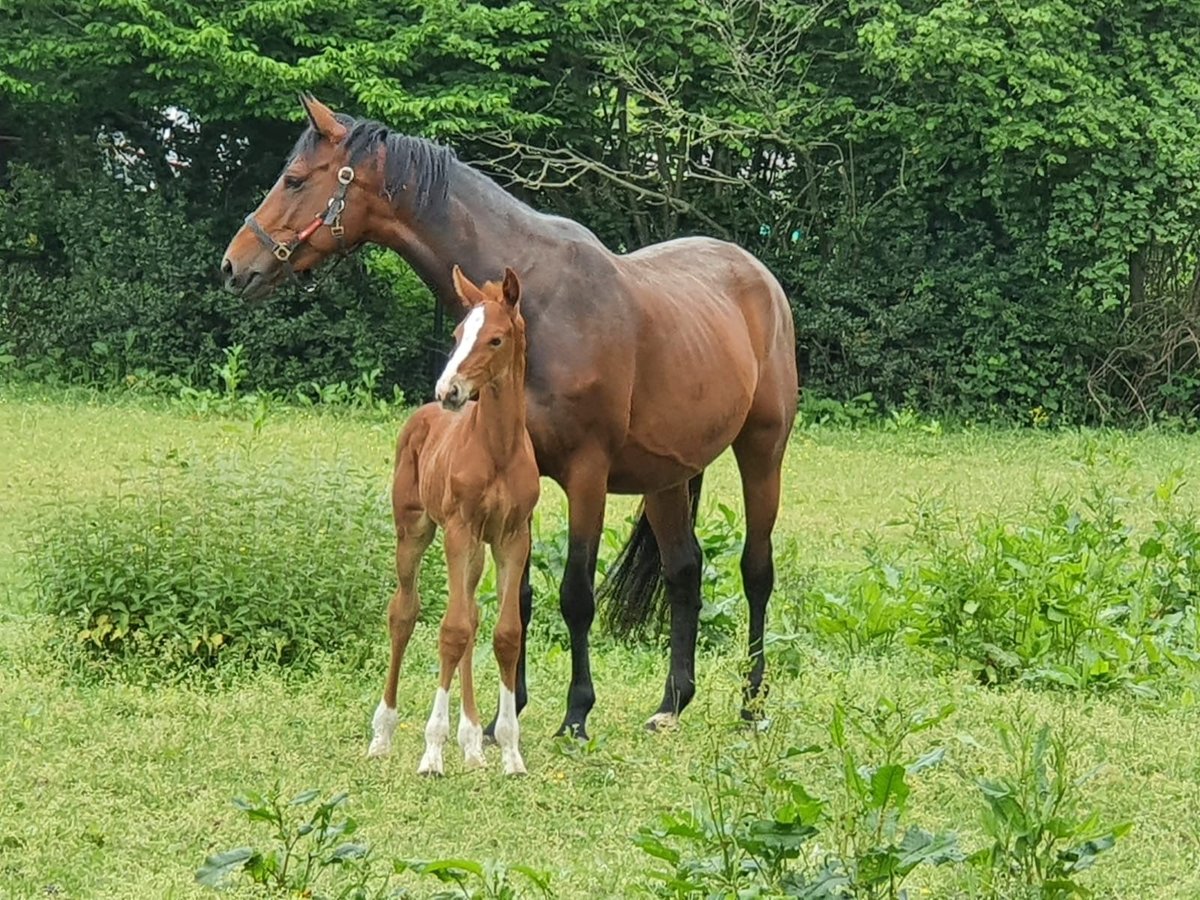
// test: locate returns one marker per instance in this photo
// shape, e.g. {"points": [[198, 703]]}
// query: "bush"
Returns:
{"points": [[100, 286], [195, 563]]}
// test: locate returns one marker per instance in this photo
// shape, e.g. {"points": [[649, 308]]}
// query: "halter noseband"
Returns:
{"points": [[331, 217]]}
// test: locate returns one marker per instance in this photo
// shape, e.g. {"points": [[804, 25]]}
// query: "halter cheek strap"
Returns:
{"points": [[332, 217]]}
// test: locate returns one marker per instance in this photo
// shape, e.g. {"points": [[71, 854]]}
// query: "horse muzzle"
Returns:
{"points": [[246, 281], [453, 396]]}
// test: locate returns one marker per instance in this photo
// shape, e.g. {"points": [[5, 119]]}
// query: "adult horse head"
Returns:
{"points": [[642, 368], [338, 190]]}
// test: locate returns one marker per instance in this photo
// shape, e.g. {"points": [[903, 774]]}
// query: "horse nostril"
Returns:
{"points": [[226, 267]]}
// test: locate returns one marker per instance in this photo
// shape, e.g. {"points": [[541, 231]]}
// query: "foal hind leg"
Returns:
{"points": [[414, 532], [668, 513], [470, 732], [759, 453], [522, 692], [463, 565], [507, 641]]}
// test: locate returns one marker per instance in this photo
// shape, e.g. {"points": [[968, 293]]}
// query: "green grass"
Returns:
{"points": [[120, 790]]}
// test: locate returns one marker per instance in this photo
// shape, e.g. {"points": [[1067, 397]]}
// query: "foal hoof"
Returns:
{"points": [[474, 761], [379, 749], [663, 721], [431, 765], [514, 765]]}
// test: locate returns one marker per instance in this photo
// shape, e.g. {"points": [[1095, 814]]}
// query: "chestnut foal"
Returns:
{"points": [[473, 473]]}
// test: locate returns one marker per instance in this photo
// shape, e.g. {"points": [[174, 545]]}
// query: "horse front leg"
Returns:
{"points": [[586, 488]]}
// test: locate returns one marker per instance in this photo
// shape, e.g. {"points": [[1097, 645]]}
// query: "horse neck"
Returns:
{"points": [[499, 415], [473, 227]]}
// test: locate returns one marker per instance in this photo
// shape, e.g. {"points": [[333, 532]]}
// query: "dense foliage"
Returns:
{"points": [[981, 210]]}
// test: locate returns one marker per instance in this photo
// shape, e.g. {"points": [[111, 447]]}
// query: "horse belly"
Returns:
{"points": [[687, 409]]}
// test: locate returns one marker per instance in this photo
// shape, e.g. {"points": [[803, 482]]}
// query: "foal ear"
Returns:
{"points": [[465, 288], [324, 122], [511, 288]]}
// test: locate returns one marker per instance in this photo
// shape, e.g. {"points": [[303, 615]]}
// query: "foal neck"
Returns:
{"points": [[499, 415]]}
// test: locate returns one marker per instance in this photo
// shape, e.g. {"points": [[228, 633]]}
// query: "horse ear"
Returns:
{"points": [[512, 288], [324, 122], [468, 294]]}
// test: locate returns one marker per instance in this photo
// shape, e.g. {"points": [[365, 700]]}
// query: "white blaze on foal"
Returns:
{"points": [[471, 327]]}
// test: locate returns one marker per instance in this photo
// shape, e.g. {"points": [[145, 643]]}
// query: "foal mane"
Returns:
{"points": [[426, 164]]}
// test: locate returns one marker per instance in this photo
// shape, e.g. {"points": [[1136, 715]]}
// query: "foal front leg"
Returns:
{"points": [[464, 565]]}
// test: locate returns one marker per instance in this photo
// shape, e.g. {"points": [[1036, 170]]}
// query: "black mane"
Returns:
{"points": [[426, 164]]}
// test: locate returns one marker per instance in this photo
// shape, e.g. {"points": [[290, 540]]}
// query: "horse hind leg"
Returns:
{"points": [[414, 533], [759, 452], [668, 513]]}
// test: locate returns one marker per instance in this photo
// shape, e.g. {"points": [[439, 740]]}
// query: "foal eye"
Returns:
{"points": [[291, 182], [496, 342]]}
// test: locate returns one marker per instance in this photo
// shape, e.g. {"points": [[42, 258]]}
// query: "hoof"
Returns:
{"points": [[379, 749], [573, 730], [662, 721], [515, 766], [755, 721], [430, 765], [383, 726], [474, 761]]}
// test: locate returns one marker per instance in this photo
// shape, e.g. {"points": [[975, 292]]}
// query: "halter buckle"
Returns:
{"points": [[282, 252], [345, 175], [337, 229]]}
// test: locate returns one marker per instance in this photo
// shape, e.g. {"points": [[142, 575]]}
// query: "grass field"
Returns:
{"points": [[121, 787]]}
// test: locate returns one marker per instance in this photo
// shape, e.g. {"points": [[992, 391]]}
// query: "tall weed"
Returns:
{"points": [[1073, 596]]}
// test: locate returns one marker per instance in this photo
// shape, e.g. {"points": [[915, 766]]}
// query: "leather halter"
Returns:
{"points": [[331, 217]]}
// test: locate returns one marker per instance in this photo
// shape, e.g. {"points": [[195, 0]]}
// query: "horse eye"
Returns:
{"points": [[292, 183], [496, 342]]}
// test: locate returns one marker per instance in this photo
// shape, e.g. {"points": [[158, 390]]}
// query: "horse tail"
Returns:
{"points": [[632, 595]]}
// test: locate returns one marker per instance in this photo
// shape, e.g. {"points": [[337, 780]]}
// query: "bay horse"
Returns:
{"points": [[642, 367], [472, 472]]}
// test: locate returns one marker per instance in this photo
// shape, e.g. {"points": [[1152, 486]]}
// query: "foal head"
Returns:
{"points": [[489, 341]]}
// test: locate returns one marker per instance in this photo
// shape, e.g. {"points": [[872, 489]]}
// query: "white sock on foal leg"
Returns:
{"points": [[437, 729], [508, 733], [384, 726], [470, 738]]}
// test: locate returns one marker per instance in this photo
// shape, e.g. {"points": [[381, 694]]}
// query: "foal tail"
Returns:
{"points": [[632, 596]]}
